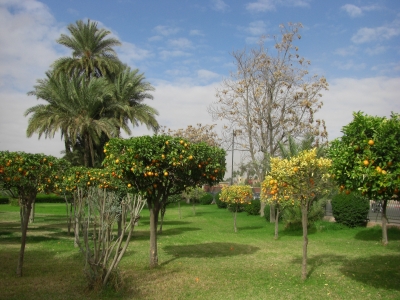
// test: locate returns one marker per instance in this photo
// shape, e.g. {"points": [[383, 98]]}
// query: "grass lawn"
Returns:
{"points": [[200, 257]]}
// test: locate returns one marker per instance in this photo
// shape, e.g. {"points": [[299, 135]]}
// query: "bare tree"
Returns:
{"points": [[270, 97], [200, 133]]}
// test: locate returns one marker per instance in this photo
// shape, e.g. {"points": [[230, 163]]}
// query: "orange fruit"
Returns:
{"points": [[371, 142], [366, 162]]}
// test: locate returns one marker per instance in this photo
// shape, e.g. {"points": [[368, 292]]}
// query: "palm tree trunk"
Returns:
{"points": [[24, 229]]}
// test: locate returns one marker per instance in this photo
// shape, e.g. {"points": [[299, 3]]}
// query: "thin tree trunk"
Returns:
{"points": [[234, 219], [272, 213], [154, 210], [180, 213], [32, 214], [262, 209], [277, 224], [384, 224], [163, 209], [24, 230], [304, 221]]}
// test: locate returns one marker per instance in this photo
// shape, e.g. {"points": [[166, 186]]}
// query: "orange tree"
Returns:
{"points": [[236, 196], [367, 158], [276, 192], [161, 166], [24, 175], [301, 178]]}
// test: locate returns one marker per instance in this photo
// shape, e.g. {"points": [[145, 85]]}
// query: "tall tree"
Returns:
{"points": [[269, 97], [75, 107], [92, 51], [129, 91], [367, 158]]}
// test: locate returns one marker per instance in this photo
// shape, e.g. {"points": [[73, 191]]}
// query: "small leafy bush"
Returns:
{"points": [[220, 204], [267, 213], [292, 216], [350, 210], [253, 208], [206, 199], [4, 200], [49, 198]]}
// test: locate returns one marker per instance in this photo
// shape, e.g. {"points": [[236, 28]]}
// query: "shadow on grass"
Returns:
{"points": [[145, 234], [379, 271], [375, 234], [208, 250]]}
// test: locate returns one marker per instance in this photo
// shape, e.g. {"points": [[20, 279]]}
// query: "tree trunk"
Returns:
{"points": [[180, 213], [24, 230], [194, 208], [32, 214], [272, 213], [154, 210], [234, 219], [304, 222], [262, 208], [384, 224], [163, 209], [277, 224]]}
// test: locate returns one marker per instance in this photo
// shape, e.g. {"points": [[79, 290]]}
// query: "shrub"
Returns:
{"points": [[206, 199], [350, 210], [253, 208], [4, 200], [267, 214], [220, 203], [14, 201], [49, 198], [292, 216]]}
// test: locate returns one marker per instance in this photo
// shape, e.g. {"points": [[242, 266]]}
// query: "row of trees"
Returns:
{"points": [[153, 167], [90, 96]]}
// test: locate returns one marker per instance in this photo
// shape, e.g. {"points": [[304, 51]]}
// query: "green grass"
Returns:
{"points": [[200, 257]]}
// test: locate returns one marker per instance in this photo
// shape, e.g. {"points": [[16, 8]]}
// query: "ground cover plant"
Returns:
{"points": [[200, 257]]}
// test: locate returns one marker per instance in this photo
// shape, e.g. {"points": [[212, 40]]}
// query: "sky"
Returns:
{"points": [[184, 49]]}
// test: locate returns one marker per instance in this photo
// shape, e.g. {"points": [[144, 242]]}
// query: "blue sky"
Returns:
{"points": [[183, 47]]}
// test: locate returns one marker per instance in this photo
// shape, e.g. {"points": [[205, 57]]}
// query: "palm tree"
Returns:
{"points": [[92, 51], [129, 91], [75, 107], [293, 148]]}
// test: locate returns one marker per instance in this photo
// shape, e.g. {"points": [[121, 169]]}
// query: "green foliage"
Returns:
{"points": [[367, 156], [206, 199], [220, 204], [4, 200], [156, 164], [49, 198], [253, 208], [350, 209]]}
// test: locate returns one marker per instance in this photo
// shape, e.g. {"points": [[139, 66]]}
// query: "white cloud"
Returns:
{"points": [[374, 96], [219, 5], [270, 5], [181, 43], [28, 39], [207, 76], [357, 11], [365, 35], [352, 10], [257, 28], [376, 50], [128, 53], [155, 38], [166, 30], [348, 51], [164, 54], [350, 65], [196, 32]]}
